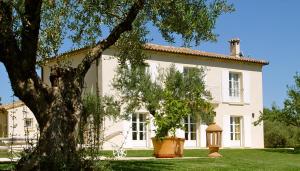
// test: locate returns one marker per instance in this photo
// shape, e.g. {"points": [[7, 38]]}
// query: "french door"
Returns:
{"points": [[235, 131], [190, 131], [139, 130]]}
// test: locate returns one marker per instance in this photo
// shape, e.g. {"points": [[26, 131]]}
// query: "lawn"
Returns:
{"points": [[248, 159], [234, 159]]}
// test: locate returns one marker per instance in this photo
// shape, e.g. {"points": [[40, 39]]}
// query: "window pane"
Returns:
{"points": [[237, 120], [193, 120], [134, 126], [142, 136], [186, 120], [231, 120], [133, 117], [134, 136], [193, 136], [237, 136], [237, 128], [186, 127], [186, 135], [231, 128], [28, 122], [231, 136], [193, 128], [141, 127], [142, 117]]}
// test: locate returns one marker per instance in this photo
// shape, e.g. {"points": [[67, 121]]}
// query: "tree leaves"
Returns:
{"points": [[169, 99], [290, 114]]}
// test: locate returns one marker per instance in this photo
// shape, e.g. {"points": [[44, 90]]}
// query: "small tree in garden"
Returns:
{"points": [[169, 100], [289, 115], [95, 109]]}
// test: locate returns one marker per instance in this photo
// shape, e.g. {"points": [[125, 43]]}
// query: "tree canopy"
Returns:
{"points": [[34, 30], [290, 114], [169, 98]]}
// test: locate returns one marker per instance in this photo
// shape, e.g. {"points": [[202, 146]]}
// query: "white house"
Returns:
{"points": [[234, 81]]}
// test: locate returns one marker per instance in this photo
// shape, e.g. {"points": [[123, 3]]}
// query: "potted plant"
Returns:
{"points": [[169, 100]]}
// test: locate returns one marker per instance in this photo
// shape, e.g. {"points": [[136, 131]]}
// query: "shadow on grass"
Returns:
{"points": [[284, 151], [135, 165]]}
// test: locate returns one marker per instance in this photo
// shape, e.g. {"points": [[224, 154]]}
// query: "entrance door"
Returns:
{"points": [[235, 131], [190, 131], [3, 124], [139, 130]]}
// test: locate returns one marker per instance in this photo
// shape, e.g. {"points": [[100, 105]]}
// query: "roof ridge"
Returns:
{"points": [[178, 50]]}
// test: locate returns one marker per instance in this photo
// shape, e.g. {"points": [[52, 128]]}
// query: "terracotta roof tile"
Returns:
{"points": [[180, 50], [188, 51], [12, 105]]}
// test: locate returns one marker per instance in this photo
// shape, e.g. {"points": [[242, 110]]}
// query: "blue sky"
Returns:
{"points": [[268, 29]]}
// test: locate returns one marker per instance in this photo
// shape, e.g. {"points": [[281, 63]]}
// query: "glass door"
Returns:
{"points": [[190, 131], [235, 131], [139, 130]]}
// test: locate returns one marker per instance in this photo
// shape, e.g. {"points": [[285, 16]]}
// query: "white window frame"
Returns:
{"points": [[29, 126], [235, 86], [138, 124], [233, 124], [188, 128]]}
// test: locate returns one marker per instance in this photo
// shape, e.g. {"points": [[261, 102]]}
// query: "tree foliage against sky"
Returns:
{"points": [[290, 114]]}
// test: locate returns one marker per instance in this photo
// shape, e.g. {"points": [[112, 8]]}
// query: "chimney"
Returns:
{"points": [[235, 47]]}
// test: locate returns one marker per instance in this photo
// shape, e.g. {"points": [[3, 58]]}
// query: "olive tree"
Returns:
{"points": [[170, 98], [33, 30]]}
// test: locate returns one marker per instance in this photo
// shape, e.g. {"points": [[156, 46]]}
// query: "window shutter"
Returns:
{"points": [[179, 67], [247, 130], [246, 87], [153, 71], [203, 135], [226, 131], [225, 85]]}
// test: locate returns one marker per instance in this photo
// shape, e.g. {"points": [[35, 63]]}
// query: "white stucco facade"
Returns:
{"points": [[235, 85]]}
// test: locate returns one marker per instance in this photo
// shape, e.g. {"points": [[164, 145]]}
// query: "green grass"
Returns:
{"points": [[247, 159], [233, 159]]}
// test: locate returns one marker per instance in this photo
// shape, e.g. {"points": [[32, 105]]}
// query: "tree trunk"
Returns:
{"points": [[56, 148]]}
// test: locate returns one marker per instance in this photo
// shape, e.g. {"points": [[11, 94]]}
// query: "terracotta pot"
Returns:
{"points": [[164, 148], [168, 147], [213, 149], [179, 147]]}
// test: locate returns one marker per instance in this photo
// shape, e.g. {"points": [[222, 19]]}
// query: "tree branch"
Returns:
{"points": [[20, 63], [123, 26], [6, 35], [30, 31]]}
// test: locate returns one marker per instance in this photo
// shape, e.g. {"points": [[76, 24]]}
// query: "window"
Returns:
{"points": [[235, 128], [186, 70], [28, 122], [234, 85], [190, 128], [138, 126]]}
